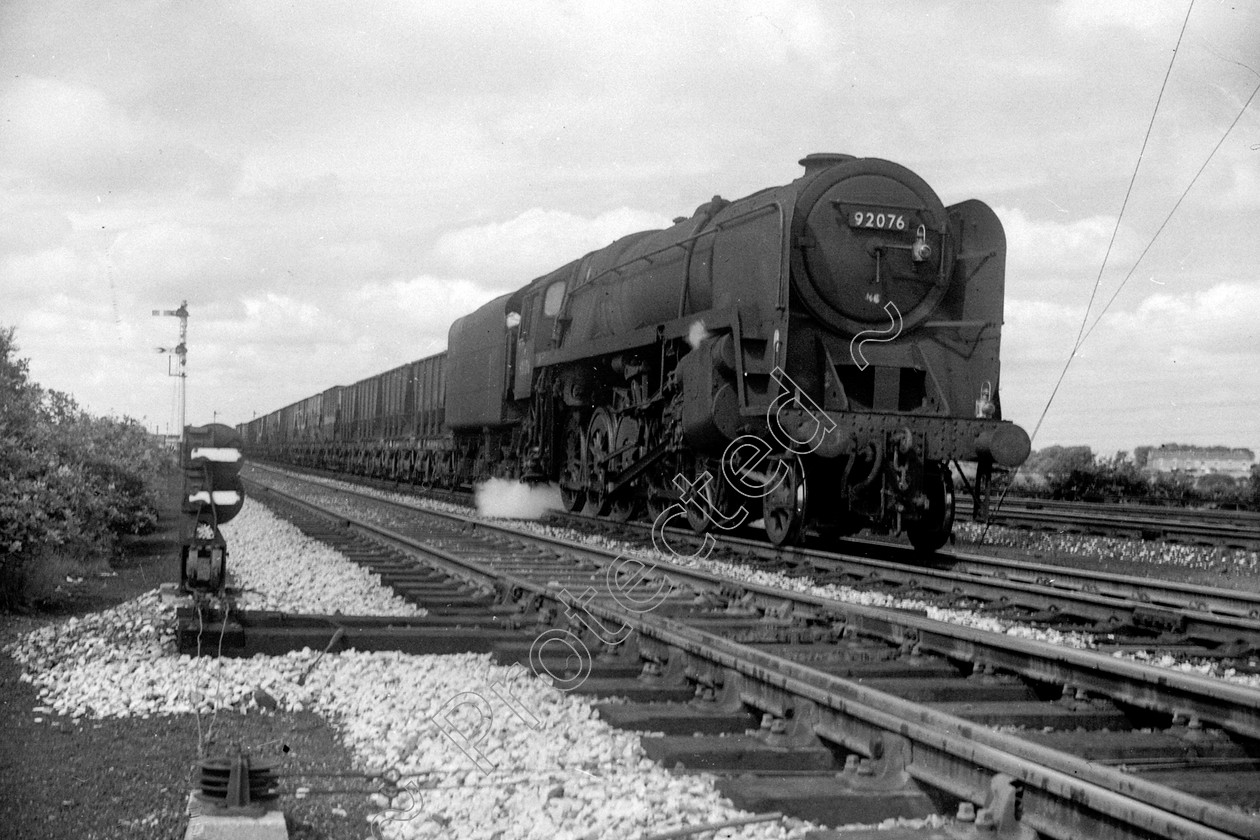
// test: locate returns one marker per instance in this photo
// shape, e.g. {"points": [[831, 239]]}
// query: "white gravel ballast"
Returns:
{"points": [[280, 568], [562, 775]]}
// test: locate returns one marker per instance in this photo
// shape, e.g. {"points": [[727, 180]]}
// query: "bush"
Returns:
{"points": [[1116, 480], [71, 485], [1072, 474]]}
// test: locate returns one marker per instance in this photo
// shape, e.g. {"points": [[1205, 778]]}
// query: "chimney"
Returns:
{"points": [[819, 161]]}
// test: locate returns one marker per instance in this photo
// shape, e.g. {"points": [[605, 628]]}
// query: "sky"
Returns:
{"points": [[329, 184]]}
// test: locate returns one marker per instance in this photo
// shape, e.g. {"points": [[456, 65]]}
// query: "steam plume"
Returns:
{"points": [[503, 499], [697, 334]]}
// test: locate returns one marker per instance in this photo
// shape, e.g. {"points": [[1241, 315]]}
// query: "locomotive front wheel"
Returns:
{"points": [[783, 508], [622, 508], [706, 499], [934, 526]]}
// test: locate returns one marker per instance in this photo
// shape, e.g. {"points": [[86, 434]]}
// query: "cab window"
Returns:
{"points": [[553, 299]]}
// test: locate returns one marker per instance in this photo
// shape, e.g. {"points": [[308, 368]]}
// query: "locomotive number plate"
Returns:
{"points": [[877, 218]]}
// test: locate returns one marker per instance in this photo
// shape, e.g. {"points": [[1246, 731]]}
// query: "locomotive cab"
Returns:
{"points": [[541, 317]]}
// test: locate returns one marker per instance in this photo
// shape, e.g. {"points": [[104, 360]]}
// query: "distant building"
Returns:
{"points": [[169, 442], [1200, 460]]}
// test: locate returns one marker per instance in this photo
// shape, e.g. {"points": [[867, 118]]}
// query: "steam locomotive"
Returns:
{"points": [[832, 343]]}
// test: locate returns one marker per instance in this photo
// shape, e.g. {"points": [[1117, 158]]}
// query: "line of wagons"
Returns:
{"points": [[390, 426]]}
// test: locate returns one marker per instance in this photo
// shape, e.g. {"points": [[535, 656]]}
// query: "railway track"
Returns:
{"points": [[1123, 611], [1229, 529], [829, 710], [1210, 622], [1177, 525]]}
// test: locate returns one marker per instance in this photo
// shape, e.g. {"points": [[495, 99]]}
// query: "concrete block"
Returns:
{"points": [[205, 822]]}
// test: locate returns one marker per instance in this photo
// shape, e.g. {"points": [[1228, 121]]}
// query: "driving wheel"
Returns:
{"points": [[599, 445], [572, 474], [624, 505]]}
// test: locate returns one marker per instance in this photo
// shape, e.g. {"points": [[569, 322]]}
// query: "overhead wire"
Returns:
{"points": [[1168, 218], [1081, 332]]}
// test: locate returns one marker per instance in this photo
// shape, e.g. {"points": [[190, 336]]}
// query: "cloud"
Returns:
{"points": [[96, 145], [509, 254], [24, 230], [76, 345], [1058, 259], [1168, 369], [168, 253], [285, 191], [76, 120], [330, 185], [296, 344], [1127, 14], [1072, 245], [1223, 321], [31, 278], [414, 313]]}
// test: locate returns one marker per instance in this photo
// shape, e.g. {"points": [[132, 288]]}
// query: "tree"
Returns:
{"points": [[19, 399], [70, 484], [1059, 461], [1141, 455]]}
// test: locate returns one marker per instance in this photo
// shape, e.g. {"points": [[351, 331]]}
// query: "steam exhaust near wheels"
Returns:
{"points": [[500, 498]]}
